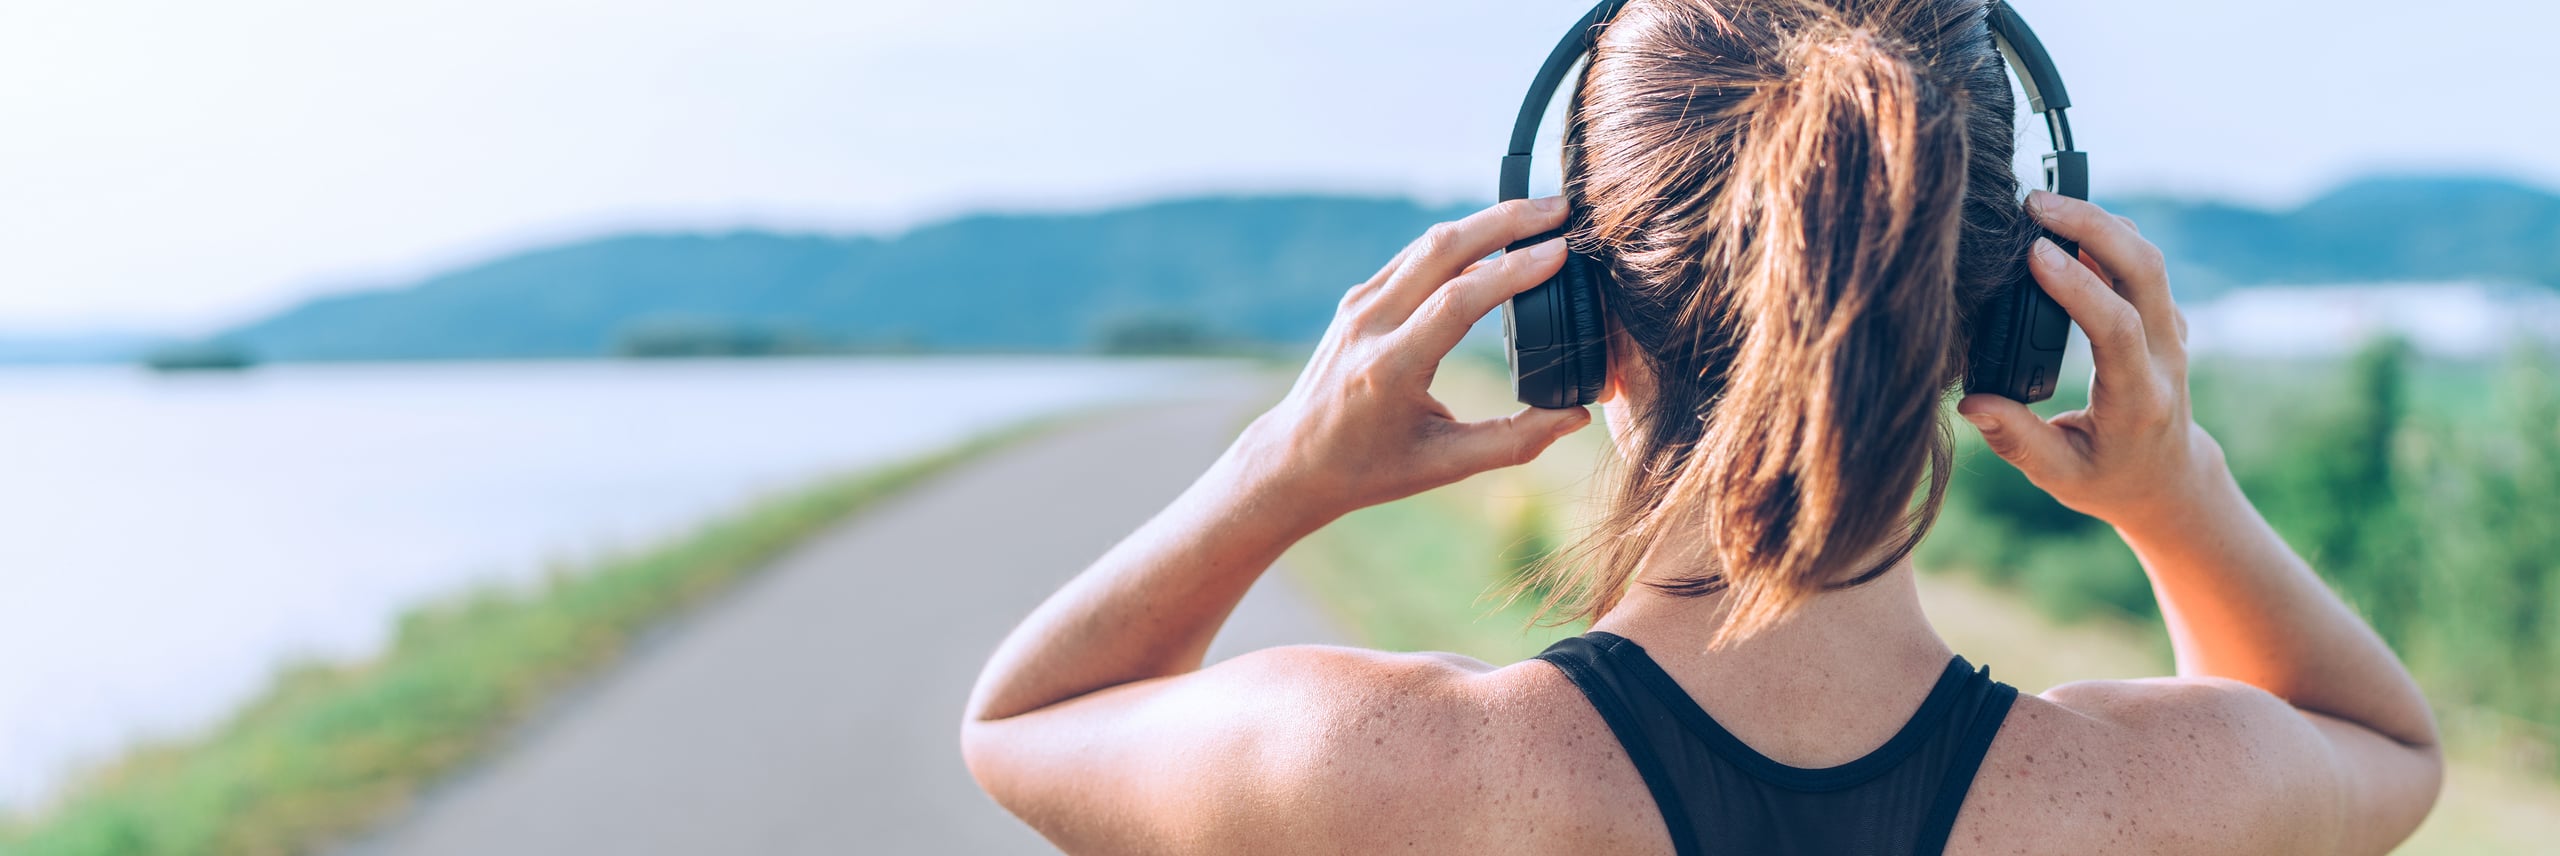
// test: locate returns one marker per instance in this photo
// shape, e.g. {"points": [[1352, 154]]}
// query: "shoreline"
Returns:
{"points": [[328, 748], [172, 543]]}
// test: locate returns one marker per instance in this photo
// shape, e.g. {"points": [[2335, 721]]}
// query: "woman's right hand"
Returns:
{"points": [[1360, 428], [2135, 452]]}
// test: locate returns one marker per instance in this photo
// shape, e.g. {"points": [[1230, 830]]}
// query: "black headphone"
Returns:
{"points": [[1554, 332]]}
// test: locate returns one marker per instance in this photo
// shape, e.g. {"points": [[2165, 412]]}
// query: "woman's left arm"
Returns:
{"points": [[1094, 719]]}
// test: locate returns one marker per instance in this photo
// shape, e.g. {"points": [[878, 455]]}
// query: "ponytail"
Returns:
{"points": [[1841, 217], [1782, 190]]}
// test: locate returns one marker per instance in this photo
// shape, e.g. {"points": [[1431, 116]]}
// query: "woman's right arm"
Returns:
{"points": [[2240, 604]]}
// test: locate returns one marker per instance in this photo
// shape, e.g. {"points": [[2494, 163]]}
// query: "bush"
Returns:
{"points": [[705, 337], [1160, 335], [2434, 513]]}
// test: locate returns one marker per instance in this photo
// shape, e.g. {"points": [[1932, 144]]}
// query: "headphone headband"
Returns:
{"points": [[1555, 333], [1577, 43], [2066, 171]]}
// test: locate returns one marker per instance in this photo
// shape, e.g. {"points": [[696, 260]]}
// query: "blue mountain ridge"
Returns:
{"points": [[1259, 269]]}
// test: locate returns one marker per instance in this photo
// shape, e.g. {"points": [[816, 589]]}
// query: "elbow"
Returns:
{"points": [[977, 750], [2401, 789], [2408, 803], [2416, 727], [978, 738], [2428, 736], [2430, 770], [982, 752], [992, 745]]}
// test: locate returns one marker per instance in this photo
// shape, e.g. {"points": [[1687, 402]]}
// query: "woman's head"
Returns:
{"points": [[1800, 201]]}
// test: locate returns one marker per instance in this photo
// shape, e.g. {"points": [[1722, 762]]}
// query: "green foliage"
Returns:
{"points": [[665, 338], [1531, 537], [2434, 522], [330, 748], [208, 355], [2427, 494], [2337, 495], [2487, 567], [1159, 335]]}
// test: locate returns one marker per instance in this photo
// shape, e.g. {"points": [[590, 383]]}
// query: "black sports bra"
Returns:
{"points": [[1718, 795]]}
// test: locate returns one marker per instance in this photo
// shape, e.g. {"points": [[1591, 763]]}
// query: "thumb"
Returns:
{"points": [[1515, 439], [2015, 433]]}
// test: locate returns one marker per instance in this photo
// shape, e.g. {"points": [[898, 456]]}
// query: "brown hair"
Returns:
{"points": [[1800, 201]]}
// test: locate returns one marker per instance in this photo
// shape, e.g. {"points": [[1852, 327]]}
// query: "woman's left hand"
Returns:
{"points": [[1360, 427]]}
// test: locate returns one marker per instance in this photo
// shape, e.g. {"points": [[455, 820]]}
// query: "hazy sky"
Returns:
{"points": [[186, 163]]}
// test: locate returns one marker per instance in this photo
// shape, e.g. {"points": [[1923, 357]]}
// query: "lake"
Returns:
{"points": [[167, 541]]}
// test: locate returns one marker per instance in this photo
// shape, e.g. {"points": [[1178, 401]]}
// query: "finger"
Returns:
{"points": [[2167, 342], [1358, 296], [2134, 265], [2020, 437], [1449, 247], [2100, 268], [2117, 340], [1511, 440], [1394, 264], [1446, 317], [2110, 238]]}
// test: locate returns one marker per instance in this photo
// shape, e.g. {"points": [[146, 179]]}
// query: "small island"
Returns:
{"points": [[206, 356]]}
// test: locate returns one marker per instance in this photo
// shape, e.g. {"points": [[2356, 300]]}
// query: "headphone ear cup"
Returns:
{"points": [[1589, 349], [1987, 365]]}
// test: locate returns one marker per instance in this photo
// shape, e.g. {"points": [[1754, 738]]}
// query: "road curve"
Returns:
{"points": [[816, 710]]}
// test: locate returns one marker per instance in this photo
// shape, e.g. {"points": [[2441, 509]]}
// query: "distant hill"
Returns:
{"points": [[1249, 269], [1239, 269], [2383, 229]]}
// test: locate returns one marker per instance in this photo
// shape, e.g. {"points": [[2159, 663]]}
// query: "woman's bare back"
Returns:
{"points": [[2149, 766]]}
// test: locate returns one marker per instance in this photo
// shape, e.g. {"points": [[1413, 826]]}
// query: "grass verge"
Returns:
{"points": [[331, 748]]}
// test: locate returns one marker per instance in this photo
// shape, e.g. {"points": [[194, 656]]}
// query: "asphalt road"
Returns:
{"points": [[816, 710]]}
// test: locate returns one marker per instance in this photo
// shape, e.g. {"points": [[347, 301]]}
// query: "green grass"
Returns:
{"points": [[1420, 575], [331, 748]]}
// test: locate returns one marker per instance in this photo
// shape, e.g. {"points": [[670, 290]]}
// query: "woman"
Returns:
{"points": [[1801, 201]]}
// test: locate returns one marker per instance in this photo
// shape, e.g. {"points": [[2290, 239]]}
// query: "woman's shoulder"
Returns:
{"points": [[1392, 749], [2168, 765]]}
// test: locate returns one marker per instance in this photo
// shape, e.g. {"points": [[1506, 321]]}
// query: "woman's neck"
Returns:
{"points": [[1831, 682]]}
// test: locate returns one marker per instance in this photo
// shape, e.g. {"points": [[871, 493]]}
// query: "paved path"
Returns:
{"points": [[817, 709]]}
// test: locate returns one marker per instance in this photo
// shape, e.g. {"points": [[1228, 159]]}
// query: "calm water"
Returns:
{"points": [[166, 541]]}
